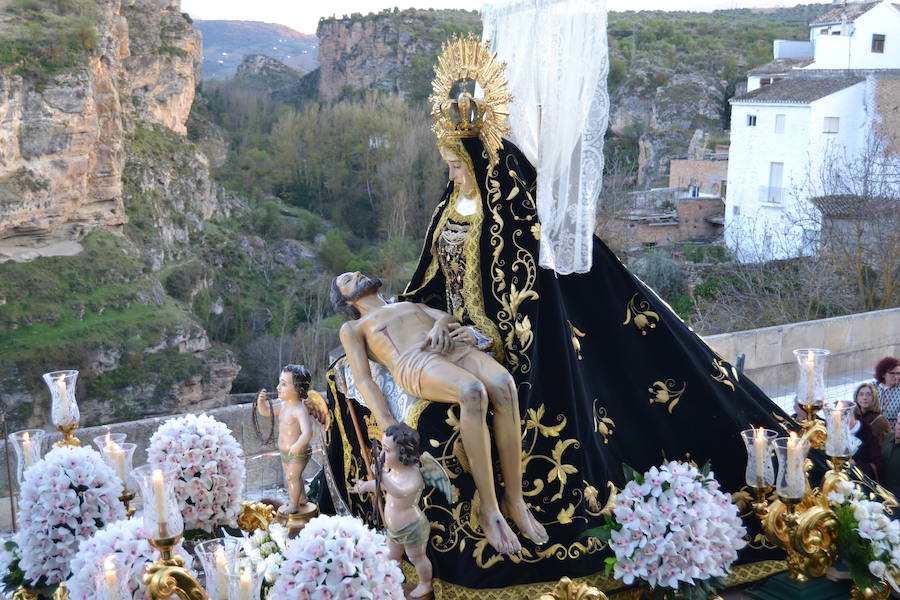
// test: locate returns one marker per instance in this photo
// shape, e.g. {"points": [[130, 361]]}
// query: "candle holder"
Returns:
{"points": [[63, 407], [119, 457], [219, 560], [111, 580], [760, 473], [164, 526], [811, 363], [27, 444], [244, 584], [841, 442], [102, 441], [162, 516]]}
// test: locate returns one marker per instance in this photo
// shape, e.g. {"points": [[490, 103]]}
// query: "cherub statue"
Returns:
{"points": [[432, 357], [295, 428], [400, 474]]}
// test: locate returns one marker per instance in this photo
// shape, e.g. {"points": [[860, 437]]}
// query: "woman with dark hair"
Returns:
{"points": [[887, 382], [868, 410]]}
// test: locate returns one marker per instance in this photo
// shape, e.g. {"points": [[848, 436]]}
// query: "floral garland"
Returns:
{"points": [[264, 552], [338, 558], [673, 529], [211, 480], [65, 498], [868, 541], [125, 539]]}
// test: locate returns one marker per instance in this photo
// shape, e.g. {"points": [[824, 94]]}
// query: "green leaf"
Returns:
{"points": [[632, 475], [610, 563]]}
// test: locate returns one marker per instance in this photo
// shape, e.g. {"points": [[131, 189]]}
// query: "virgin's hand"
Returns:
{"points": [[438, 338], [354, 489], [463, 335]]}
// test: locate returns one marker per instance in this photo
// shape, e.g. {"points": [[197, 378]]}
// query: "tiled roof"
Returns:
{"points": [[847, 12], [797, 91], [859, 207], [781, 65]]}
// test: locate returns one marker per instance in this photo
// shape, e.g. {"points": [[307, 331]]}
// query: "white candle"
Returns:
{"points": [[221, 573], [837, 437], [759, 449], [245, 584], [117, 457], [159, 497], [794, 466], [63, 393], [109, 575], [810, 369], [27, 450]]}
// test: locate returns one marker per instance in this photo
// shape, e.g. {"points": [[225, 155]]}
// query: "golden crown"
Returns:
{"points": [[465, 64]]}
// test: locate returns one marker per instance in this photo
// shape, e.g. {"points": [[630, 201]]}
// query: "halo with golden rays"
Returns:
{"points": [[469, 58]]}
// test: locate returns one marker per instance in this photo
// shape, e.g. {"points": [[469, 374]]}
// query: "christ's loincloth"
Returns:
{"points": [[408, 368], [411, 534]]}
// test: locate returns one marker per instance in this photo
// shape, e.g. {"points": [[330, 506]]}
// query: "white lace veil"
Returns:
{"points": [[557, 58]]}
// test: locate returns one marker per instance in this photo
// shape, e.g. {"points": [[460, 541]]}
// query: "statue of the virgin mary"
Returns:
{"points": [[607, 373]]}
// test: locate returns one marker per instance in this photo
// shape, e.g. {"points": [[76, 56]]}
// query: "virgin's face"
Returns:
{"points": [[459, 173], [864, 398]]}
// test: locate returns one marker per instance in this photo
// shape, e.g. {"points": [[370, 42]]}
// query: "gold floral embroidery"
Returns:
{"points": [[602, 423], [640, 313], [666, 392], [536, 231], [576, 333], [590, 494], [721, 374]]}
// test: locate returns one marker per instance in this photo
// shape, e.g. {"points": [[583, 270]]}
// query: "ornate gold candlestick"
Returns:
{"points": [[168, 576], [126, 499], [68, 438]]}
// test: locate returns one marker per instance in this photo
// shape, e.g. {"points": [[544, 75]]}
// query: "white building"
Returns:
{"points": [[816, 101]]}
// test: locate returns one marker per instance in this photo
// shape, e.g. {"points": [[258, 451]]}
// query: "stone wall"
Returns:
{"points": [[708, 174], [856, 342], [887, 107]]}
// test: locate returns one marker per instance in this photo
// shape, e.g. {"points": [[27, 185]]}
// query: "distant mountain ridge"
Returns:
{"points": [[226, 43]]}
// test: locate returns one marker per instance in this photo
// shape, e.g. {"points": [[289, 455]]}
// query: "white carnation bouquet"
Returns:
{"points": [[868, 541], [65, 498], [338, 558], [208, 458], [673, 529], [263, 551], [127, 541]]}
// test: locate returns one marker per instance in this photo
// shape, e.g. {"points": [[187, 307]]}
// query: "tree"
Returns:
{"points": [[857, 198]]}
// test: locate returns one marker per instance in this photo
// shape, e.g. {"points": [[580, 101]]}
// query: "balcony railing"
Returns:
{"points": [[771, 195]]}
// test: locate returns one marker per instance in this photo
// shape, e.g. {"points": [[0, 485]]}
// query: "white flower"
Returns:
{"points": [[677, 527], [125, 539], [65, 498], [209, 487], [338, 558]]}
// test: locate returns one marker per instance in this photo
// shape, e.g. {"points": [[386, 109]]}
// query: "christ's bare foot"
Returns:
{"points": [[525, 521], [420, 591], [498, 533]]}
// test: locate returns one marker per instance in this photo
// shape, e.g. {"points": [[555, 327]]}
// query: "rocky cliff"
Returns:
{"points": [[94, 153], [392, 51], [62, 134]]}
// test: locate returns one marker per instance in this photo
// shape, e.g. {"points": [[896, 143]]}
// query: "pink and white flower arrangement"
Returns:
{"points": [[211, 481], [338, 558], [65, 498], [868, 541], [264, 552], [125, 539], [673, 529]]}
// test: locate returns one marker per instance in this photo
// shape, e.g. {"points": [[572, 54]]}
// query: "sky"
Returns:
{"points": [[303, 15]]}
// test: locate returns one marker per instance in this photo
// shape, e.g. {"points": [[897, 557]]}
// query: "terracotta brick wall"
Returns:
{"points": [[705, 173], [887, 106]]}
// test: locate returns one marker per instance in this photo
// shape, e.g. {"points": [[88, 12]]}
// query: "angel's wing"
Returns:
{"points": [[318, 408], [435, 475]]}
